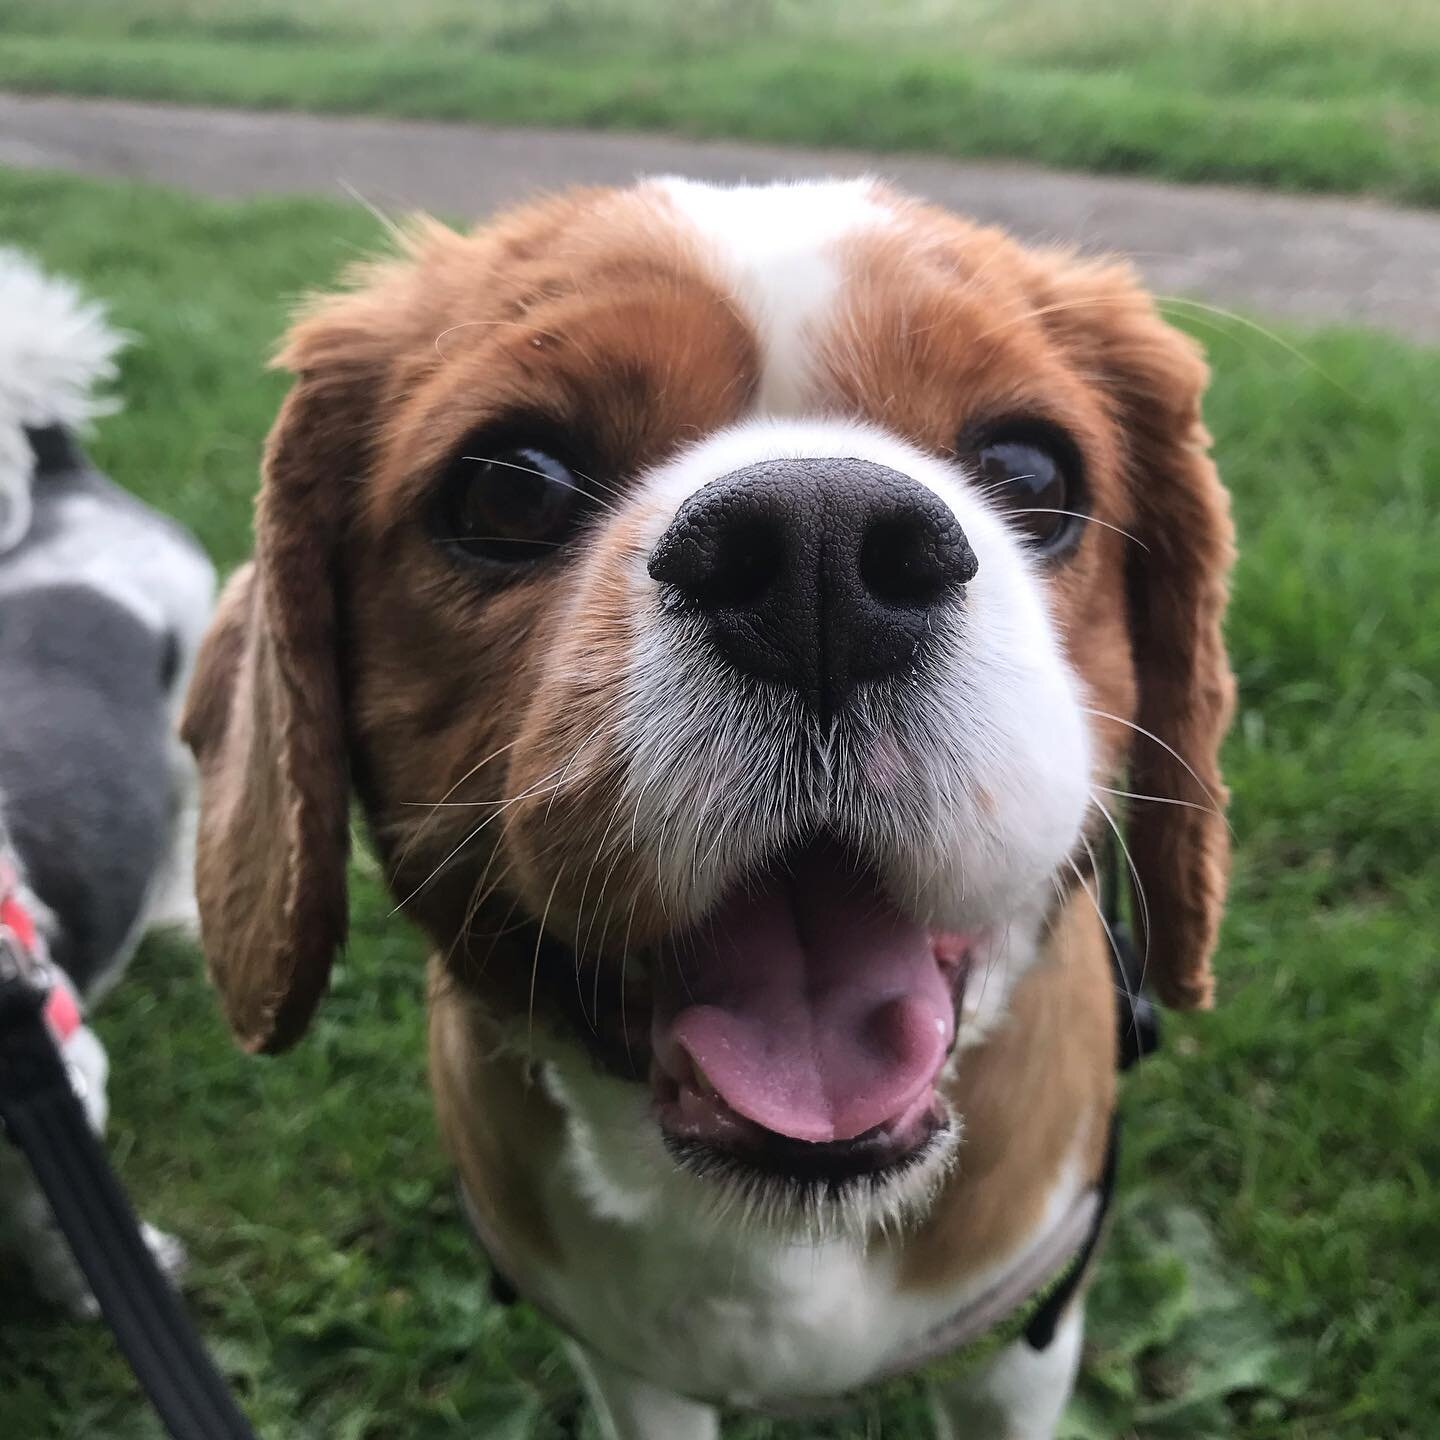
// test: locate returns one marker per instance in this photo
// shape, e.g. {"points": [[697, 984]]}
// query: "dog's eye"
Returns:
{"points": [[1033, 484], [510, 503]]}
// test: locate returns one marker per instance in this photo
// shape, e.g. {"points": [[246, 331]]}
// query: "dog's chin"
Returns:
{"points": [[799, 1034], [851, 1187]]}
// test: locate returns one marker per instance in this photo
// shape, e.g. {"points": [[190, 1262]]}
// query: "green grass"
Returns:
{"points": [[1301, 94], [1273, 1274]]}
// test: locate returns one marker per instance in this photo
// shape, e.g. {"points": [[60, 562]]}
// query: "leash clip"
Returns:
{"points": [[25, 978], [29, 982]]}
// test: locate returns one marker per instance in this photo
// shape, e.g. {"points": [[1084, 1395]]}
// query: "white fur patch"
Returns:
{"points": [[657, 1282], [132, 556], [629, 1408], [777, 250], [56, 349]]}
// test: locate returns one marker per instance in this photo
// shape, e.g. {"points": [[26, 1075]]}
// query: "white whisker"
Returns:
{"points": [[553, 479], [1162, 800], [1169, 749], [1080, 515], [1140, 897]]}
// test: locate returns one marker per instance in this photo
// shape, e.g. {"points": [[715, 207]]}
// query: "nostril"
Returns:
{"points": [[724, 567], [909, 560], [749, 556]]}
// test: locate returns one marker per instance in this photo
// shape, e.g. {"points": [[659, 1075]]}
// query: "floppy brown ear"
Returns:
{"points": [[265, 713], [264, 719], [1177, 590]]}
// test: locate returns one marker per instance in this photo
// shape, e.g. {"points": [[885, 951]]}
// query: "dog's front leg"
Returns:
{"points": [[1020, 1394], [630, 1408]]}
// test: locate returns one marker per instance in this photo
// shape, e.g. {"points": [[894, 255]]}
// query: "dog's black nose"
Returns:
{"points": [[816, 573]]}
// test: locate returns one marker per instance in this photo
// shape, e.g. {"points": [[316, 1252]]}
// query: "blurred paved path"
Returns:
{"points": [[1352, 261]]}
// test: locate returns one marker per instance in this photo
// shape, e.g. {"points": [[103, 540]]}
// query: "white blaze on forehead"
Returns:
{"points": [[778, 252], [763, 437]]}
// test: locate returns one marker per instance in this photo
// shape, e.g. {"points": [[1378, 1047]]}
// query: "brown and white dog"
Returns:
{"points": [[739, 612]]}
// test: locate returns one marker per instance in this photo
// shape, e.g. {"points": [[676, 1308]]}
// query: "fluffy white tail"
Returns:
{"points": [[56, 350]]}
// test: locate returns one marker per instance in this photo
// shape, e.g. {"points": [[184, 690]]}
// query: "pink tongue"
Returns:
{"points": [[812, 1007]]}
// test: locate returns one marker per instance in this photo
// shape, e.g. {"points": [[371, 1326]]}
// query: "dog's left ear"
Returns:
{"points": [[1177, 588]]}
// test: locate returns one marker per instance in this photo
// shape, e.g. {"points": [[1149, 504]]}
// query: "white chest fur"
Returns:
{"points": [[735, 1323], [656, 1281]]}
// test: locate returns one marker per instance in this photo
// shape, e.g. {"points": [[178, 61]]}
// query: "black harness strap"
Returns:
{"points": [[1041, 1330], [1137, 1032], [43, 1116]]}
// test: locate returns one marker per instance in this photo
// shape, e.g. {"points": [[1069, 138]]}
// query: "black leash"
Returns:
{"points": [[44, 1117]]}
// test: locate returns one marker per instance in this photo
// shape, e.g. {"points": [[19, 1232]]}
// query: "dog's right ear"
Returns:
{"points": [[265, 720], [265, 714]]}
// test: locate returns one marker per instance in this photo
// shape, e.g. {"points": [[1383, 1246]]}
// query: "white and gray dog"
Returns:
{"points": [[102, 605]]}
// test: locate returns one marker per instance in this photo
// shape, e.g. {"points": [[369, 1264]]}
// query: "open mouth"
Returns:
{"points": [[802, 1027]]}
